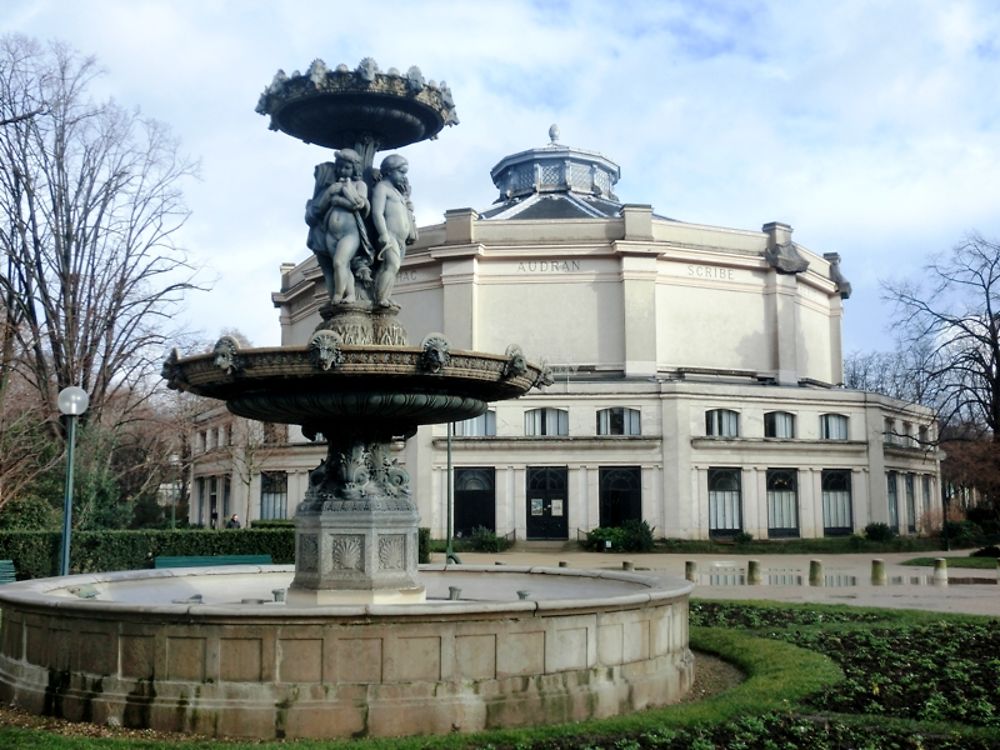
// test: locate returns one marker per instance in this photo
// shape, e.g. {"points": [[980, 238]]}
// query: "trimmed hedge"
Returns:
{"points": [[36, 553]]}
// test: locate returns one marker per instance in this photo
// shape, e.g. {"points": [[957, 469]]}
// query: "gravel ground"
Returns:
{"points": [[711, 676]]}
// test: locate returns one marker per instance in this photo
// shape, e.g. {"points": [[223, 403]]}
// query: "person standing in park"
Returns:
{"points": [[233, 522]]}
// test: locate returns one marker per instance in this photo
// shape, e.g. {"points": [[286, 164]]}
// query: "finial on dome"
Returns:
{"points": [[553, 133]]}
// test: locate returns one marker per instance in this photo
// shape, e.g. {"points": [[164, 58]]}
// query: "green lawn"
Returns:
{"points": [[818, 677]]}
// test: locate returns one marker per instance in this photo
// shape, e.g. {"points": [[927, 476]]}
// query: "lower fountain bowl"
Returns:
{"points": [[217, 651]]}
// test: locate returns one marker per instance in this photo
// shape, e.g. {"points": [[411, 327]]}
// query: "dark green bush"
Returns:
{"points": [[743, 538], [961, 533], [29, 513], [597, 539], [36, 553], [637, 536], [991, 551], [274, 523], [483, 539], [632, 536], [879, 532]]}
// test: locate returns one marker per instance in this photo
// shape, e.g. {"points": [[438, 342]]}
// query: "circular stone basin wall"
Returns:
{"points": [[209, 650]]}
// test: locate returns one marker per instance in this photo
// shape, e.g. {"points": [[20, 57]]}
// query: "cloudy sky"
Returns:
{"points": [[873, 128]]}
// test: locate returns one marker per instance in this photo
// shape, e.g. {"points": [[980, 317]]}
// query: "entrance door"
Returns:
{"points": [[475, 500], [621, 495], [547, 506]]}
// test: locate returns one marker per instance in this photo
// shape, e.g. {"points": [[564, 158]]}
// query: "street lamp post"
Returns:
{"points": [[73, 402]]}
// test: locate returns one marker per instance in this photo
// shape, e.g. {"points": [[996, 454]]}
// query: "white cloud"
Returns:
{"points": [[872, 128]]}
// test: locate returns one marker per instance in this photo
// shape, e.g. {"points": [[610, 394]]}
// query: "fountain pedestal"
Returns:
{"points": [[356, 532]]}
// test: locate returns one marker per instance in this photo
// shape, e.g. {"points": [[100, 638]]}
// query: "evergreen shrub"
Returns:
{"points": [[36, 553]]}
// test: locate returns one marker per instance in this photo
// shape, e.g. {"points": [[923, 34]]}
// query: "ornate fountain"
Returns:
{"points": [[365, 643], [356, 382]]}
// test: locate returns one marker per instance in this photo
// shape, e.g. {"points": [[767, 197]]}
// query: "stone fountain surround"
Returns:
{"points": [[273, 670]]}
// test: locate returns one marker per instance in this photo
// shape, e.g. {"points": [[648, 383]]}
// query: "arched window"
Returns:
{"points": [[833, 427], [779, 424], [724, 502], [618, 421], [547, 421], [722, 423], [837, 511]]}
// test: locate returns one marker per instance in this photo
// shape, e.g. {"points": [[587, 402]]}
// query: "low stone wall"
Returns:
{"points": [[381, 670]]}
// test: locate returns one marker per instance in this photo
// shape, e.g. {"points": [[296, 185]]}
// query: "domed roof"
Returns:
{"points": [[555, 182]]}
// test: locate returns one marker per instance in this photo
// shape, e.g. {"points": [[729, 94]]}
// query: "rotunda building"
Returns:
{"points": [[698, 371]]}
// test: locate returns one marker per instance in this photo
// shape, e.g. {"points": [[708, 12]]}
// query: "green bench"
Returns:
{"points": [[7, 573], [204, 561]]}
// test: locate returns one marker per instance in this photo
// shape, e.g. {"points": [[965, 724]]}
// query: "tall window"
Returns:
{"points": [[892, 499], [722, 423], [618, 421], [546, 421], [724, 514], [782, 503], [927, 493], [779, 424], [833, 427], [273, 494], [837, 512], [485, 425], [911, 502]]}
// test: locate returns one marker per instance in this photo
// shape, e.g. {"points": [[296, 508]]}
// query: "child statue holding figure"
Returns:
{"points": [[336, 217]]}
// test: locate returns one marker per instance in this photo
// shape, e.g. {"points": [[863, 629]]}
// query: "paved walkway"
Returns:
{"points": [[720, 577]]}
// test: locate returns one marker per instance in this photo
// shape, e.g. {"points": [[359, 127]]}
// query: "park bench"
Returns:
{"points": [[203, 561], [7, 574]]}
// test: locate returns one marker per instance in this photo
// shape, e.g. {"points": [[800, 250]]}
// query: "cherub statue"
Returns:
{"points": [[392, 215], [335, 215]]}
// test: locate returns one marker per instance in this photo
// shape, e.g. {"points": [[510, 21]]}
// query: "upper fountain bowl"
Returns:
{"points": [[341, 108]]}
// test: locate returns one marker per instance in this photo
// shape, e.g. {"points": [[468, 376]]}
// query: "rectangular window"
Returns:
{"points": [[892, 499], [782, 503], [833, 427], [273, 494], [911, 503], [889, 433], [547, 421], [837, 511], [722, 423], [927, 493], [724, 502], [485, 425], [779, 424], [618, 421]]}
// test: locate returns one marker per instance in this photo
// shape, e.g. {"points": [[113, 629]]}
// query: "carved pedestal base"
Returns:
{"points": [[356, 530]]}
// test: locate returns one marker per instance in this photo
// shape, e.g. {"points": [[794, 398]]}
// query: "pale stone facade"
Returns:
{"points": [[698, 371]]}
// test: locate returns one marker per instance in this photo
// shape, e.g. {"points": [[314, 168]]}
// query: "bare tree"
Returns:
{"points": [[252, 445], [90, 202], [952, 316]]}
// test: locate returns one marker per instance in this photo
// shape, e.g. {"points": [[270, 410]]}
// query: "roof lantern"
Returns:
{"points": [[555, 181]]}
